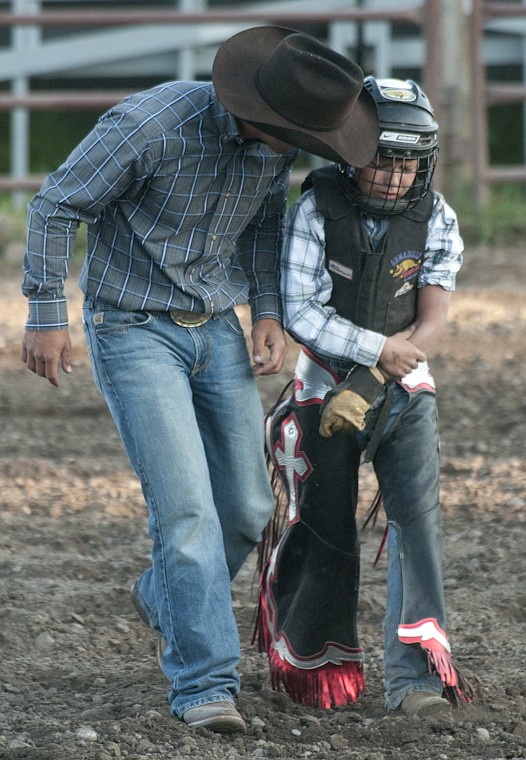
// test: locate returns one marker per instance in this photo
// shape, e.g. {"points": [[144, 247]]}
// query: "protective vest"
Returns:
{"points": [[376, 290]]}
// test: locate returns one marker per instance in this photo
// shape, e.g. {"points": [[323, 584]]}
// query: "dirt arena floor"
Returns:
{"points": [[77, 667]]}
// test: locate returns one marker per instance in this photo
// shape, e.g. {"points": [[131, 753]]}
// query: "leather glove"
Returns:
{"points": [[344, 407]]}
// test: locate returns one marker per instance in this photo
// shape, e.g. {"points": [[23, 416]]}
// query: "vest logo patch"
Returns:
{"points": [[406, 287], [405, 266], [337, 268]]}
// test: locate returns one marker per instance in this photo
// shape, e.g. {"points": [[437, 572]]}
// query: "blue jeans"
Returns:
{"points": [[407, 467], [188, 411]]}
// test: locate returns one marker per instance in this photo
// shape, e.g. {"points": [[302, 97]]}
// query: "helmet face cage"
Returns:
{"points": [[400, 174], [392, 184]]}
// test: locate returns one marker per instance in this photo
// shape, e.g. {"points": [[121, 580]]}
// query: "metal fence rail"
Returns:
{"points": [[105, 17], [426, 17], [419, 16], [487, 94]]}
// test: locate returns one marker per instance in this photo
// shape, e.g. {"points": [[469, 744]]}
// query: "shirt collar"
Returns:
{"points": [[225, 121], [229, 127]]}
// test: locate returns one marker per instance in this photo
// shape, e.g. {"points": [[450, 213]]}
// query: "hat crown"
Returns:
{"points": [[294, 88], [308, 84]]}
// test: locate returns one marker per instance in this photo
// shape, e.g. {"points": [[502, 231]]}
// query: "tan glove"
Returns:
{"points": [[345, 407]]}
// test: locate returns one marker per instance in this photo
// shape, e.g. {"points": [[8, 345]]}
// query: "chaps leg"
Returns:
{"points": [[310, 586]]}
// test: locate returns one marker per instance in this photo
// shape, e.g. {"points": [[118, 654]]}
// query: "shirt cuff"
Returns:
{"points": [[369, 348], [47, 315], [266, 307]]}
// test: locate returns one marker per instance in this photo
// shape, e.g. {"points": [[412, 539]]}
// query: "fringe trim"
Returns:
{"points": [[457, 688], [374, 510], [278, 521], [326, 687], [272, 532], [372, 516], [427, 634]]}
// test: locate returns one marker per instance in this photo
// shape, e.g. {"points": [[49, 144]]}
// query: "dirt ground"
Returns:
{"points": [[78, 673]]}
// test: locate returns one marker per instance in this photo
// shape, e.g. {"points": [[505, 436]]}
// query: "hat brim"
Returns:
{"points": [[234, 74]]}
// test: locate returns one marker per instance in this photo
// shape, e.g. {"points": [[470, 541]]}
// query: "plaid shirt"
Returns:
{"points": [[181, 212], [306, 284]]}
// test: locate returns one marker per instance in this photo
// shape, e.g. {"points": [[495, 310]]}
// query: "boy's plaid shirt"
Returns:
{"points": [[307, 285]]}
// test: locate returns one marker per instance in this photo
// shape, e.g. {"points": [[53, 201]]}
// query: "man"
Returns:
{"points": [[183, 190], [369, 263]]}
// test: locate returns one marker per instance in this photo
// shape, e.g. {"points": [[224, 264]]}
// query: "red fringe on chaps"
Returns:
{"points": [[327, 686], [433, 640]]}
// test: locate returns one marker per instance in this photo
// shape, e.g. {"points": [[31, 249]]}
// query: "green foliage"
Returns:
{"points": [[13, 227], [293, 195], [54, 135], [505, 134], [502, 221]]}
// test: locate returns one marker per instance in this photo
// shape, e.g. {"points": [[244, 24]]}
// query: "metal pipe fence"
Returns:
{"points": [[486, 94], [425, 17], [27, 102]]}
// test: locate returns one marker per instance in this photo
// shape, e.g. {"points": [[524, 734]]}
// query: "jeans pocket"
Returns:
{"points": [[108, 319], [231, 320]]}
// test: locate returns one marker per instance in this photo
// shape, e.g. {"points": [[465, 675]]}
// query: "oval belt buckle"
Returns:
{"points": [[188, 318]]}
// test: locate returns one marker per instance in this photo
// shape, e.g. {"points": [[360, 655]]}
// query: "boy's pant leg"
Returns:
{"points": [[407, 466]]}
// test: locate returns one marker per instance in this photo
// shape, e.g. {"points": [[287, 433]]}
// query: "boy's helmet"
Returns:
{"points": [[408, 132]]}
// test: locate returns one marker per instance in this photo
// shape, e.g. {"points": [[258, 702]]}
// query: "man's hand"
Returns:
{"points": [[346, 405], [267, 334], [43, 351]]}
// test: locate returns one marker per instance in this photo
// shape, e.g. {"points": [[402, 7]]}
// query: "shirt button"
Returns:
{"points": [[214, 237]]}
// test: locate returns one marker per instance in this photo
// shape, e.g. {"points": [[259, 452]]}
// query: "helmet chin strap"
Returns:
{"points": [[379, 208]]}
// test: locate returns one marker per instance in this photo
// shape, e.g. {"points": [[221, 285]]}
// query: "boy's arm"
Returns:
{"points": [[432, 308], [442, 261], [437, 277], [345, 407], [306, 288], [401, 352]]}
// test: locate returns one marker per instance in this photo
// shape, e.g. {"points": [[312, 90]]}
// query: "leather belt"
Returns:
{"points": [[188, 318]]}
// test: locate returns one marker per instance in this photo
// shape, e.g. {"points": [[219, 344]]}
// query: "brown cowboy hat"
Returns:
{"points": [[293, 87]]}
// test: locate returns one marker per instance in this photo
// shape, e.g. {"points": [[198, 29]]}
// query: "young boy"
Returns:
{"points": [[369, 263]]}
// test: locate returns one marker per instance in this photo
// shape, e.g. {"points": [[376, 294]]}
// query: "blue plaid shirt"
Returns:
{"points": [[307, 285], [181, 212]]}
